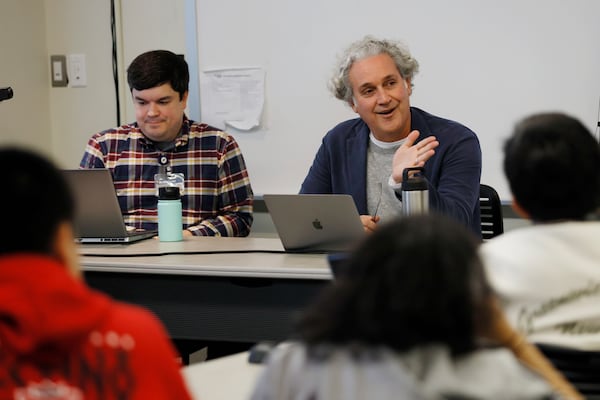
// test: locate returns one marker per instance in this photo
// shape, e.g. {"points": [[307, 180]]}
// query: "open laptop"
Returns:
{"points": [[98, 216], [315, 222]]}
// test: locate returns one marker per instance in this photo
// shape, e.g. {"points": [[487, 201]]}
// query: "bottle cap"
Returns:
{"points": [[168, 193], [415, 182]]}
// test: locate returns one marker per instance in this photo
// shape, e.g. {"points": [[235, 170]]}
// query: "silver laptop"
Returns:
{"points": [[98, 216], [315, 222]]}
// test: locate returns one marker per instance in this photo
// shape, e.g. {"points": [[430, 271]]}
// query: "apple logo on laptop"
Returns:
{"points": [[317, 224]]}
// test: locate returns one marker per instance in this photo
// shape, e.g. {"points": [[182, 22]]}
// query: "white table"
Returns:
{"points": [[226, 378], [226, 289]]}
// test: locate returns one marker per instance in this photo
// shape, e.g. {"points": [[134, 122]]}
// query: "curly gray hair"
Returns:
{"points": [[367, 47]]}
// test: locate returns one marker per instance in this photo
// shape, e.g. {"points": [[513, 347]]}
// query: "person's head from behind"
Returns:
{"points": [[158, 81], [37, 208], [552, 163], [415, 281], [375, 78]]}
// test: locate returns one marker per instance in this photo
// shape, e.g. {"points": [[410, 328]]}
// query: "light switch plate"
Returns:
{"points": [[58, 67]]}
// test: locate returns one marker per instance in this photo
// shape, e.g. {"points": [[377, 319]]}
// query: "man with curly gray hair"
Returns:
{"points": [[366, 156]]}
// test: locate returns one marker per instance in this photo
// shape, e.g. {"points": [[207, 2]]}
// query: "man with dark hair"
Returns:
{"points": [[57, 336], [548, 274], [217, 198]]}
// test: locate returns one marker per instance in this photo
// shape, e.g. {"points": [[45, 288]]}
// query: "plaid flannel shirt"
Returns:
{"points": [[217, 199]]}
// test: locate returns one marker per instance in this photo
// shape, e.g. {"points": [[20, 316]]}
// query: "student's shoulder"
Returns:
{"points": [[133, 320], [512, 252], [515, 238], [494, 367]]}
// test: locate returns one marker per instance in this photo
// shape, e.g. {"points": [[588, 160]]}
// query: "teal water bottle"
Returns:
{"points": [[170, 225]]}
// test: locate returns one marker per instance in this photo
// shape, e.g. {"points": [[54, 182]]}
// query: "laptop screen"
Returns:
{"points": [[98, 216], [315, 222]]}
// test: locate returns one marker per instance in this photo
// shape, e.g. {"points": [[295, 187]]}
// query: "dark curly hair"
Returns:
{"points": [[416, 281]]}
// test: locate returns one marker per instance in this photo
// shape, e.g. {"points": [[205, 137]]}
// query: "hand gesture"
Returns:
{"points": [[412, 155]]}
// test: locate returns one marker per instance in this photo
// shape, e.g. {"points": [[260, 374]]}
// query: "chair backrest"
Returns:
{"points": [[581, 368], [490, 206]]}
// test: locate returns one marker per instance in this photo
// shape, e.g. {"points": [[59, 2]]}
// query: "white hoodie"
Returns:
{"points": [[548, 279]]}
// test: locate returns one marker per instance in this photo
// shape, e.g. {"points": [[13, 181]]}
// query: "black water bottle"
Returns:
{"points": [[415, 194]]}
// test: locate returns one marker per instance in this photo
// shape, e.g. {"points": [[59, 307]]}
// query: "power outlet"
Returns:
{"points": [[77, 70]]}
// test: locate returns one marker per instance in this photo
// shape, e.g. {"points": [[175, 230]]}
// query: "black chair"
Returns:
{"points": [[490, 207], [580, 367]]}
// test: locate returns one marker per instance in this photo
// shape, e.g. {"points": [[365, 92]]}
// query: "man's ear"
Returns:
{"points": [[65, 249], [519, 210], [184, 98], [351, 104]]}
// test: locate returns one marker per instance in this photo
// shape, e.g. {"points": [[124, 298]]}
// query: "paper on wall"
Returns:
{"points": [[232, 96]]}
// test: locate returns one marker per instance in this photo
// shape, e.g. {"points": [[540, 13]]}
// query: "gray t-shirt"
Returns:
{"points": [[381, 198]]}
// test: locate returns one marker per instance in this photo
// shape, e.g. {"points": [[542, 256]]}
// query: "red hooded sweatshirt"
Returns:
{"points": [[59, 339]]}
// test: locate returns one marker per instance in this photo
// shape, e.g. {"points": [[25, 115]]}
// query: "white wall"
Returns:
{"points": [[540, 58], [58, 121], [24, 66], [483, 63], [149, 25], [75, 26], [80, 27]]}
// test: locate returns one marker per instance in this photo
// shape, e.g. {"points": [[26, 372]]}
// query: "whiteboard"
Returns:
{"points": [[483, 63]]}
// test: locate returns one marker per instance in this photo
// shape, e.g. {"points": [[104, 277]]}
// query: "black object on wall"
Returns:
{"points": [[6, 93]]}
